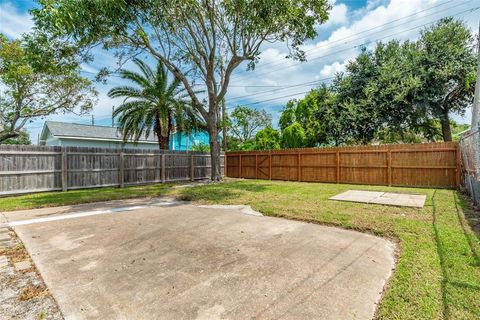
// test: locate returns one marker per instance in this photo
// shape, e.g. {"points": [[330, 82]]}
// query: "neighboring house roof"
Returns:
{"points": [[87, 132]]}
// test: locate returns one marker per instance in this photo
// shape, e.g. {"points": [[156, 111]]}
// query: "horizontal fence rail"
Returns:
{"points": [[26, 169], [417, 165]]}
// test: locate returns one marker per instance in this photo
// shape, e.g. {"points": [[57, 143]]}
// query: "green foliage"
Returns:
{"points": [[202, 147], [293, 136], [245, 122], [267, 139], [447, 49], [153, 105], [318, 116], [399, 92], [35, 82], [458, 129], [195, 39], [22, 138]]}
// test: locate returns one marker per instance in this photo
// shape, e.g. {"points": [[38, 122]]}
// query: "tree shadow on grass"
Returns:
{"points": [[472, 214], [442, 251], [472, 217], [221, 192]]}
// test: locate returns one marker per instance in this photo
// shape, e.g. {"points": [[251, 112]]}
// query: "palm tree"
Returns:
{"points": [[155, 104]]}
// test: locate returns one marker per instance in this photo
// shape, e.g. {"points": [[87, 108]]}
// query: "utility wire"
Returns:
{"points": [[356, 46], [317, 48], [329, 78], [376, 27]]}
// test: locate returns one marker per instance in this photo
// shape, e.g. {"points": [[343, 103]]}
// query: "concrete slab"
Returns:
{"points": [[187, 262], [386, 198]]}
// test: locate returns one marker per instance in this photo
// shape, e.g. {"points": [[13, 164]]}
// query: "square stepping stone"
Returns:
{"points": [[386, 198], [3, 262], [4, 237], [22, 265]]}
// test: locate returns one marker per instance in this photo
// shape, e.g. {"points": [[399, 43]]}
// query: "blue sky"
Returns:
{"points": [[352, 23]]}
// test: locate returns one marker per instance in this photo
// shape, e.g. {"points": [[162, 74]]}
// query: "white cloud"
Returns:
{"points": [[329, 70], [331, 54], [12, 22], [338, 15], [327, 54]]}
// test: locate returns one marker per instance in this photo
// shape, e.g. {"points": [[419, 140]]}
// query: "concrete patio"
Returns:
{"points": [[182, 261]]}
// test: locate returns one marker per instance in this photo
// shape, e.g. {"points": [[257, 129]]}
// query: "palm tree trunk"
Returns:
{"points": [[163, 142]]}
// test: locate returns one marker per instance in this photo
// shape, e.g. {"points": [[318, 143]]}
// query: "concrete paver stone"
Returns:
{"points": [[22, 265], [3, 262], [386, 198]]}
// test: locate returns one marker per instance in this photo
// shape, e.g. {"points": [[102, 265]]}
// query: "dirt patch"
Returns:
{"points": [[16, 252], [33, 291], [23, 292]]}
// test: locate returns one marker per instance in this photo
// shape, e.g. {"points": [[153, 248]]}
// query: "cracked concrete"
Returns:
{"points": [[205, 262]]}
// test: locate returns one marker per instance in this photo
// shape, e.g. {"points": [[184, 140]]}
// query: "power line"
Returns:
{"points": [[329, 78], [317, 48], [360, 45], [376, 27], [285, 87]]}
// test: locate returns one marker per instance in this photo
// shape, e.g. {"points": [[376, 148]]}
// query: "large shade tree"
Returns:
{"points": [[245, 122], [447, 68], [199, 41], [154, 104], [36, 84]]}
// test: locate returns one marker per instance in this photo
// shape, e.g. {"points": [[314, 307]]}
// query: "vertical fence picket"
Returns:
{"points": [[64, 170], [420, 165]]}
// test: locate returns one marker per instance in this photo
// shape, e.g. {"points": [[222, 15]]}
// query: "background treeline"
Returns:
{"points": [[398, 92]]}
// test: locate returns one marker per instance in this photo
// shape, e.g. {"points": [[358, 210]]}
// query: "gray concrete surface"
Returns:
{"points": [[386, 198], [188, 262]]}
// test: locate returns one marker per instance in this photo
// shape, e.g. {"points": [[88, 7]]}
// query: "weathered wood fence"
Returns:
{"points": [[25, 169], [419, 165]]}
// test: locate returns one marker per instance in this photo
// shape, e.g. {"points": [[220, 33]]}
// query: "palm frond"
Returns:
{"points": [[125, 91], [138, 78], [146, 70]]}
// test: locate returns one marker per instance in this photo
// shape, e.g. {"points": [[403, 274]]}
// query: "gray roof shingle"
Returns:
{"points": [[59, 129]]}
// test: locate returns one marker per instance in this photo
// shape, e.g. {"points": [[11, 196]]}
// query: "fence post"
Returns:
{"points": [[162, 167], [389, 168], [270, 166], [256, 166], [192, 168], [64, 170], [121, 170], [458, 166], [299, 170], [337, 159], [240, 169], [225, 163], [157, 172]]}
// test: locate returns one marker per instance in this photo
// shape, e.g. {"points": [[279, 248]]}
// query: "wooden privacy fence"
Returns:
{"points": [[419, 165], [25, 169]]}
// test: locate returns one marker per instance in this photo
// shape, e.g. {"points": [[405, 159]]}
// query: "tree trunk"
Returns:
{"points": [[163, 141], [214, 148], [8, 134], [446, 130], [224, 126]]}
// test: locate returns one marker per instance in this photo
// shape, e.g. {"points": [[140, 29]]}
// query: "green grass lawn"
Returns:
{"points": [[55, 199], [438, 269]]}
